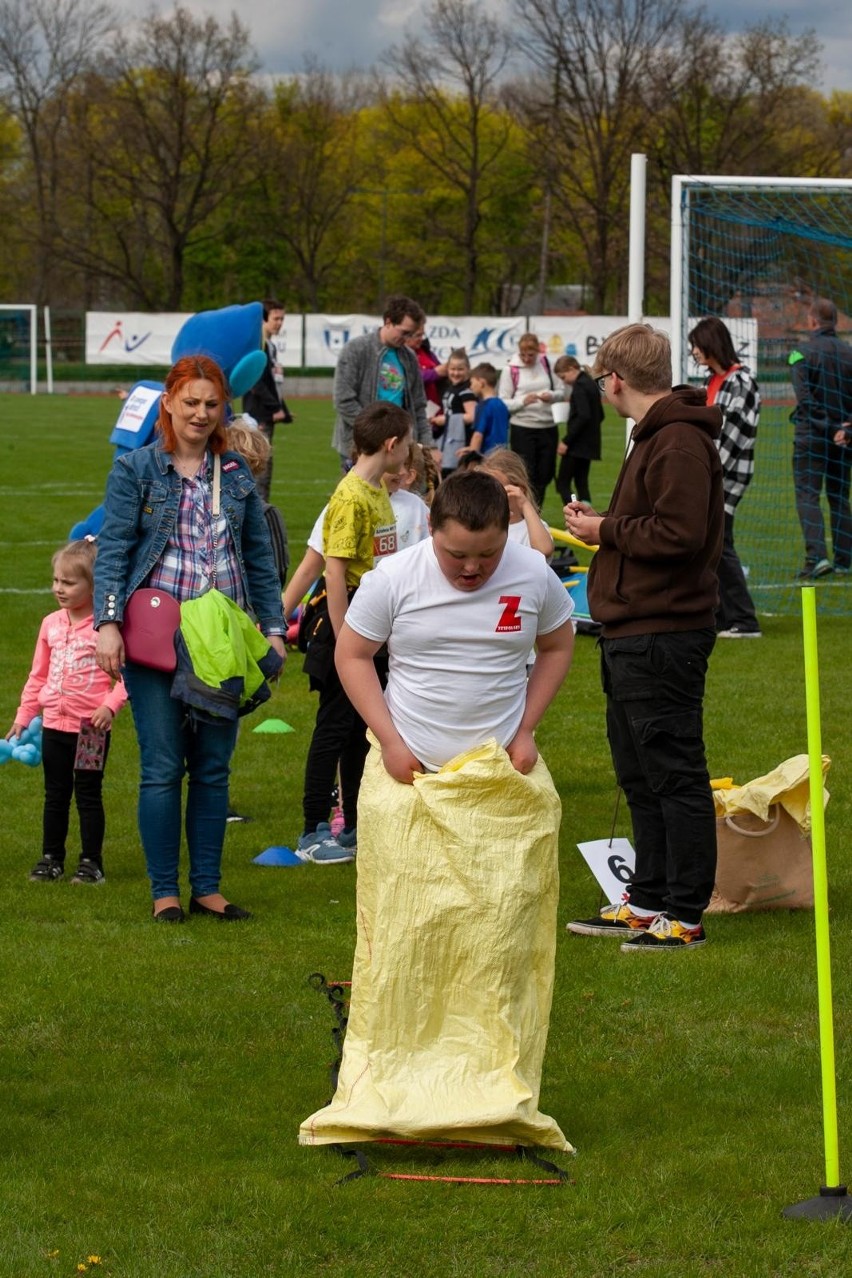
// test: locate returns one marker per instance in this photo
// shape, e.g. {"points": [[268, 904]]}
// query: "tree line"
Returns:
{"points": [[474, 166]]}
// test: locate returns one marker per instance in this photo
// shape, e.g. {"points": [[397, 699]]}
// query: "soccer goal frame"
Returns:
{"points": [[32, 310], [683, 187], [757, 252]]}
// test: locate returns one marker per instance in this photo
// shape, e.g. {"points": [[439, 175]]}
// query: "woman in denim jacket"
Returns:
{"points": [[159, 531]]}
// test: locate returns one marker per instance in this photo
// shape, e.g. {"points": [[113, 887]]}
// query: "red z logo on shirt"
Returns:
{"points": [[510, 619]]}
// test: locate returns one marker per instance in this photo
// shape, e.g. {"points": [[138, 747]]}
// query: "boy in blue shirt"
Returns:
{"points": [[491, 419]]}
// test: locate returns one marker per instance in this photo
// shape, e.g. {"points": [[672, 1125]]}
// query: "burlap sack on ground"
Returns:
{"points": [[454, 962], [764, 852]]}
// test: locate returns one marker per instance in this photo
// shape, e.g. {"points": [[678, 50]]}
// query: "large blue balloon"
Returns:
{"points": [[228, 336]]}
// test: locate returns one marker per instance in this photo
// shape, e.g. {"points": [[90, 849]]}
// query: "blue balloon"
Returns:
{"points": [[226, 335], [249, 370], [26, 748]]}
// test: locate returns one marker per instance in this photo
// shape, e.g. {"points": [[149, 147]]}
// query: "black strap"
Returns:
{"points": [[528, 1155], [338, 997], [364, 1168]]}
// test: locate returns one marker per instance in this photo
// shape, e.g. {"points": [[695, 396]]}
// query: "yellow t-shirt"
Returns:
{"points": [[359, 526]]}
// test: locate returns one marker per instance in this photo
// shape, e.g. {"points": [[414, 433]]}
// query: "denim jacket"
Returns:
{"points": [[140, 512]]}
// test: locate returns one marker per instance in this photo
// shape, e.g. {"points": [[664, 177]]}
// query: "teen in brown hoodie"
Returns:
{"points": [[653, 586]]}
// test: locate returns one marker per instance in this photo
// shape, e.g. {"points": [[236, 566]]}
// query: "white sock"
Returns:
{"points": [[642, 914]]}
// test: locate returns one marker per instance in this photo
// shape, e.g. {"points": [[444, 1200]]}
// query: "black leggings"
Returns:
{"points": [[61, 780], [573, 477], [339, 739], [537, 446]]}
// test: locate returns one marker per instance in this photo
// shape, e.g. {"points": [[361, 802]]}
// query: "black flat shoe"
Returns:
{"points": [[169, 914], [231, 913]]}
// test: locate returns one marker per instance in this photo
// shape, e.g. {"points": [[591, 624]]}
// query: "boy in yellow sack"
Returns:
{"points": [[458, 828]]}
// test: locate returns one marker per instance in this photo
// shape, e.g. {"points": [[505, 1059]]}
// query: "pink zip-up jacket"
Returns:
{"points": [[65, 684]]}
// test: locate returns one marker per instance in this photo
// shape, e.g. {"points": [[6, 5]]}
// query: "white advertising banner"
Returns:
{"points": [[582, 335], [326, 336], [288, 342], [315, 341], [578, 335], [486, 339], [131, 337], [482, 336]]}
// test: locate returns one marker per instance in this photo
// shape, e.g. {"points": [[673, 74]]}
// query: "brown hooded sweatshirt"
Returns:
{"points": [[661, 538]]}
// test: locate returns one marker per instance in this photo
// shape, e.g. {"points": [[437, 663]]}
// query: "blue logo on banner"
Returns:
{"points": [[335, 338], [493, 339]]}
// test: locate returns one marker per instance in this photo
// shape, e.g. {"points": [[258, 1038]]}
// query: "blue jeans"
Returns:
{"points": [[654, 686], [171, 744]]}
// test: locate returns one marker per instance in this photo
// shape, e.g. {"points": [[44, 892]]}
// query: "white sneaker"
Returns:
{"points": [[322, 847], [737, 632]]}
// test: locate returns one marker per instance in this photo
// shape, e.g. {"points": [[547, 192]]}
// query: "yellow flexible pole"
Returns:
{"points": [[568, 539], [823, 953]]}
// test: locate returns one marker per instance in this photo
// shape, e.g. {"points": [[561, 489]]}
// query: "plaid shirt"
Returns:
{"points": [[739, 399], [199, 553]]}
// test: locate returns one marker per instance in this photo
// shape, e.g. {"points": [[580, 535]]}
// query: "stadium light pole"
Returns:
{"points": [[384, 194]]}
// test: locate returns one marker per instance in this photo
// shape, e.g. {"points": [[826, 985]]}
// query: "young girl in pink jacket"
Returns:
{"points": [[77, 702]]}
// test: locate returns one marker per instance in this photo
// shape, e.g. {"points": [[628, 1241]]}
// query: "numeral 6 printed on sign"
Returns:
{"points": [[612, 862], [620, 869]]}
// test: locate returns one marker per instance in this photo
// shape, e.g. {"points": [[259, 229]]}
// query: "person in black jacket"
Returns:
{"points": [[582, 443], [263, 402], [822, 382]]}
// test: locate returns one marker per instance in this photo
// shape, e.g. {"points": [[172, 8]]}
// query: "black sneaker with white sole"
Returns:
{"points": [[88, 872], [47, 870]]}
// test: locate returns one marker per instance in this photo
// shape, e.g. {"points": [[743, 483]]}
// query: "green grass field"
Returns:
{"points": [[154, 1078]]}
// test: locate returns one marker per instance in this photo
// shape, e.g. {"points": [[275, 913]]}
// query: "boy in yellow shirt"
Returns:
{"points": [[359, 529]]}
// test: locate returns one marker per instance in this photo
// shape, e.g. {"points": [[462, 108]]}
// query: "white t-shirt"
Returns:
{"points": [[412, 518], [315, 539], [458, 659], [520, 532]]}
